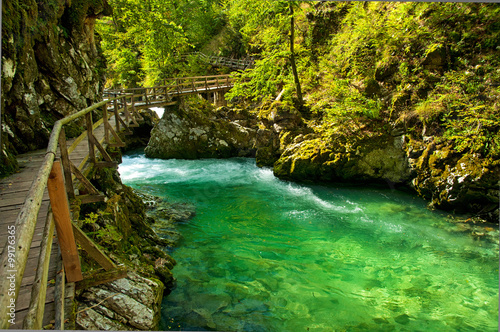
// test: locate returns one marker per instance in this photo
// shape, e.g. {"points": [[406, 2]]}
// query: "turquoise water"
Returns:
{"points": [[268, 255]]}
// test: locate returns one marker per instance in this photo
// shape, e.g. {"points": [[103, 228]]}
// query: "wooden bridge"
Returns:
{"points": [[39, 264], [214, 87]]}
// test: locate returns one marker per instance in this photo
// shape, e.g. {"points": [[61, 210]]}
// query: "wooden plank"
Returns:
{"points": [[92, 249], [48, 317], [34, 317], [106, 124], [88, 118], [86, 199], [37, 237], [59, 295], [101, 149], [60, 209], [119, 141], [17, 199], [126, 131], [25, 224], [79, 139], [105, 164], [117, 116]]}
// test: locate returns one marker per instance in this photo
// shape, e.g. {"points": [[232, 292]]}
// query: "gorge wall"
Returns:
{"points": [[52, 66]]}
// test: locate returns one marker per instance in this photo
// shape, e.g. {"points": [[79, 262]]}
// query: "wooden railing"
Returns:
{"points": [[60, 187], [56, 174], [171, 87]]}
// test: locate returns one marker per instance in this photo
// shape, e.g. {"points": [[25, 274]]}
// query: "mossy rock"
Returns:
{"points": [[195, 130], [8, 164], [325, 159]]}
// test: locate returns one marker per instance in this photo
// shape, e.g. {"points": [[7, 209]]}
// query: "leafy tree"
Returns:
{"points": [[145, 40], [268, 30]]}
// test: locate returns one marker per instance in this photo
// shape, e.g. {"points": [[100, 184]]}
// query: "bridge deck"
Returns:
{"points": [[13, 192]]}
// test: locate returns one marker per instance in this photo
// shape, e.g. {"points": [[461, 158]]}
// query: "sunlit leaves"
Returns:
{"points": [[150, 35]]}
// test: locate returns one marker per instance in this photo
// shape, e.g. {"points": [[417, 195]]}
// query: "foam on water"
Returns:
{"points": [[269, 255]]}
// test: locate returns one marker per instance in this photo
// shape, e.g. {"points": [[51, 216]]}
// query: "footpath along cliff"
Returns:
{"points": [[52, 66]]}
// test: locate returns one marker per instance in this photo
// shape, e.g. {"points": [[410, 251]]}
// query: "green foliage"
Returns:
{"points": [[265, 79], [471, 118], [145, 40], [347, 101], [91, 218], [109, 236], [265, 29]]}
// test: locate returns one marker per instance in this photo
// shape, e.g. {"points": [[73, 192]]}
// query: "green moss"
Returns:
{"points": [[8, 164]]}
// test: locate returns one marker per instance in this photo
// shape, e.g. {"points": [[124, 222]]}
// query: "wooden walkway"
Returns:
{"points": [[13, 192], [38, 291]]}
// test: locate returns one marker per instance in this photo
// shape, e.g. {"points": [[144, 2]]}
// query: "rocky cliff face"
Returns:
{"points": [[52, 66], [195, 130]]}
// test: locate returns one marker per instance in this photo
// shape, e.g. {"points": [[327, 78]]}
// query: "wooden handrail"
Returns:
{"points": [[15, 253], [177, 86]]}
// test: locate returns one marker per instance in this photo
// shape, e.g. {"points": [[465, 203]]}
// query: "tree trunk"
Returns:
{"points": [[292, 58]]}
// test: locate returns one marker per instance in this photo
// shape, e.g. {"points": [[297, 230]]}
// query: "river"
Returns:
{"points": [[269, 255]]}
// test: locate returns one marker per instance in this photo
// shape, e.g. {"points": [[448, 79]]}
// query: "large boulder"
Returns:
{"points": [[196, 130], [132, 303], [460, 182], [320, 158]]}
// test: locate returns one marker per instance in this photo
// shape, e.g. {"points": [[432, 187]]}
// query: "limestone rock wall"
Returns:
{"points": [[131, 303], [52, 66], [194, 130]]}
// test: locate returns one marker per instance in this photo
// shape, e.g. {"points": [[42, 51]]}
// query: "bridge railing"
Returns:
{"points": [[56, 174], [172, 87]]}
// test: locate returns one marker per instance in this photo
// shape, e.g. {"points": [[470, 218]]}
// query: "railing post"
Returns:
{"points": [[127, 114], [70, 190], [146, 95], [206, 84], [60, 210], [90, 136], [106, 123], [59, 294], [117, 120], [34, 318], [177, 86], [132, 104]]}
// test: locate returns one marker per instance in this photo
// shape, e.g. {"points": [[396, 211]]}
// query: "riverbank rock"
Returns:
{"points": [[166, 216], [132, 303], [310, 157], [196, 130], [460, 182], [124, 231], [279, 123]]}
